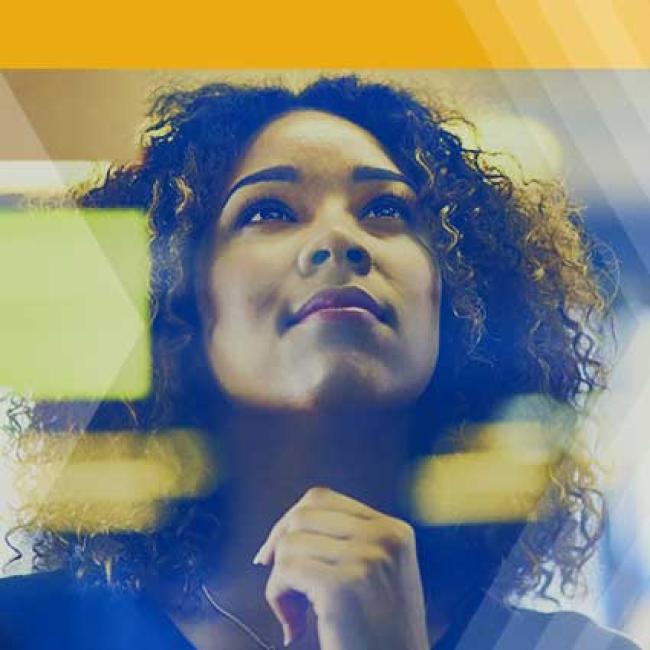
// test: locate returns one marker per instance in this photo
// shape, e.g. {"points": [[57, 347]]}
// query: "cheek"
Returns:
{"points": [[249, 270], [420, 287], [419, 282], [242, 291], [244, 306]]}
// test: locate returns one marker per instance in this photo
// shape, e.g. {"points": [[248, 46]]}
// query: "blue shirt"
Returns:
{"points": [[51, 611]]}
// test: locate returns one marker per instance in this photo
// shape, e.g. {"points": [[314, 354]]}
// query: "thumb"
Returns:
{"points": [[290, 608]]}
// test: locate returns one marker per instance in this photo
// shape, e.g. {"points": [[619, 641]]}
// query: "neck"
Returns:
{"points": [[274, 458]]}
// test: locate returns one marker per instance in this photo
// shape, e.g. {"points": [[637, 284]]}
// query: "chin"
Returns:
{"points": [[349, 387]]}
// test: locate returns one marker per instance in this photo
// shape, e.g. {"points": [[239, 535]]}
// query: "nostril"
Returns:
{"points": [[355, 255], [320, 256]]}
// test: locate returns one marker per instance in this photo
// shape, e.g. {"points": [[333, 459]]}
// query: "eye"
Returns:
{"points": [[387, 207], [264, 211]]}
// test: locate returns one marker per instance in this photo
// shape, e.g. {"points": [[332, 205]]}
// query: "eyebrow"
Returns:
{"points": [[289, 174], [363, 173], [284, 173]]}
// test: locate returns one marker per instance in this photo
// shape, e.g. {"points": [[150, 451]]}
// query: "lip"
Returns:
{"points": [[340, 299]]}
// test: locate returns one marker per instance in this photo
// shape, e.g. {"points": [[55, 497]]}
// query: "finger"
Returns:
{"points": [[330, 550], [317, 497], [294, 585], [291, 609], [327, 498], [338, 525]]}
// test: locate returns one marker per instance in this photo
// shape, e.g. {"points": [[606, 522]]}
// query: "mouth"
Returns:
{"points": [[341, 302]]}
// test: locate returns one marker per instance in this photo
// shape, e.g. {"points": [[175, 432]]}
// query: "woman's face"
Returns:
{"points": [[315, 204]]}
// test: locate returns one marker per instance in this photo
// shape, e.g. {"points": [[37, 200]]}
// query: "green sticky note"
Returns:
{"points": [[74, 308]]}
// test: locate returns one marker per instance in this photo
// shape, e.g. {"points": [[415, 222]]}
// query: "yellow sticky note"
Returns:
{"points": [[74, 309]]}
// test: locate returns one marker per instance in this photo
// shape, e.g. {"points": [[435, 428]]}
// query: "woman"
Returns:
{"points": [[338, 286]]}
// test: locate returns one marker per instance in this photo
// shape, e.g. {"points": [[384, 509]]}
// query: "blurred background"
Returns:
{"points": [[590, 128]]}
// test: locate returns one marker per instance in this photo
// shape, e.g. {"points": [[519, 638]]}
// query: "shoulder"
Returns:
{"points": [[509, 628], [57, 612], [52, 610], [54, 590], [33, 582], [571, 630], [33, 591], [36, 606]]}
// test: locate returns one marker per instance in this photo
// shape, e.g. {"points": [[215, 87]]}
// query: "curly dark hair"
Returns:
{"points": [[523, 312]]}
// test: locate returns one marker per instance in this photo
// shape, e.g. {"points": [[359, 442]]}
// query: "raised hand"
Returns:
{"points": [[356, 566]]}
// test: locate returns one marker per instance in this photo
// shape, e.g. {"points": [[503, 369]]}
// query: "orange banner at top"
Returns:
{"points": [[334, 34]]}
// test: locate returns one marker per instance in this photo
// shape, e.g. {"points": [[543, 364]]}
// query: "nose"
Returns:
{"points": [[337, 250]]}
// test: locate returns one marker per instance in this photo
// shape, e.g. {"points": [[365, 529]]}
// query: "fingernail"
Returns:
{"points": [[286, 634], [258, 556]]}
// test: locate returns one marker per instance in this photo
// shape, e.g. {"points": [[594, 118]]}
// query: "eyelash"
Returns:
{"points": [[257, 205], [390, 201]]}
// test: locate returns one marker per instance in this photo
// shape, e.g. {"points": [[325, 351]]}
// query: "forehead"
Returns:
{"points": [[310, 137]]}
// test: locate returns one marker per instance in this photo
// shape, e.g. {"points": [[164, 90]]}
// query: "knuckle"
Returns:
{"points": [[405, 533], [372, 560], [299, 518], [400, 537], [284, 548], [358, 573], [289, 566], [380, 558], [315, 493]]}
